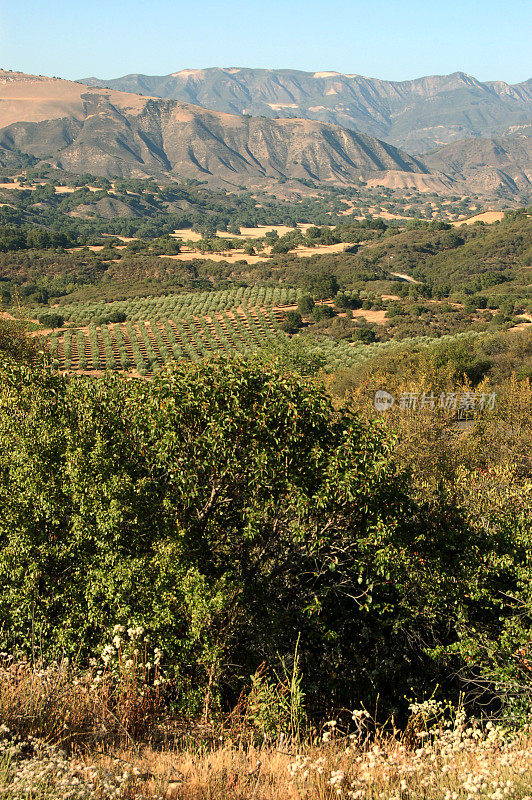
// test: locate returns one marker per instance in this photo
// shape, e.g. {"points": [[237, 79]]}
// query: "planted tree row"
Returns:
{"points": [[185, 304], [146, 345]]}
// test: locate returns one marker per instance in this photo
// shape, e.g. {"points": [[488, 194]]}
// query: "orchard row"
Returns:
{"points": [[148, 344], [186, 304]]}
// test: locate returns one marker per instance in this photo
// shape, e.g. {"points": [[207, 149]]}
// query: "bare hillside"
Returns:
{"points": [[113, 133]]}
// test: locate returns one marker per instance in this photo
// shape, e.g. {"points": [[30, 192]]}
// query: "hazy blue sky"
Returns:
{"points": [[393, 40]]}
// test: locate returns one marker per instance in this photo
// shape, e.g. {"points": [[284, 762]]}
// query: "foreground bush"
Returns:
{"points": [[15, 344], [230, 512]]}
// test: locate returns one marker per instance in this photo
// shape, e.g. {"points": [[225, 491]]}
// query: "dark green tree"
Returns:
{"points": [[292, 322], [305, 304]]}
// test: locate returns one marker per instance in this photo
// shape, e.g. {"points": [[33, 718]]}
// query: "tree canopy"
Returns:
{"points": [[228, 509]]}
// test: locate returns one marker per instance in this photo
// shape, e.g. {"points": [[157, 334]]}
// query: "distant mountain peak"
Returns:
{"points": [[417, 115], [110, 132]]}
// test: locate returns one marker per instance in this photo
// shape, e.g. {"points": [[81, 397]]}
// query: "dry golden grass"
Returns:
{"points": [[397, 179], [61, 737], [187, 234], [485, 216], [108, 732], [524, 325], [230, 257], [453, 760], [34, 98]]}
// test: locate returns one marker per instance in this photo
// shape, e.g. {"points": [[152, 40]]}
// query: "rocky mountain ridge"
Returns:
{"points": [[502, 165], [120, 134], [417, 115], [114, 133]]}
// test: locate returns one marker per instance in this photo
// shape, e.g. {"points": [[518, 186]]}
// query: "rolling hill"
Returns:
{"points": [[417, 115], [502, 165]]}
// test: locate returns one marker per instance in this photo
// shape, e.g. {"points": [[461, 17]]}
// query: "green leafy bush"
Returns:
{"points": [[322, 312], [192, 505], [365, 335], [305, 304], [14, 343], [51, 320], [292, 322], [229, 510]]}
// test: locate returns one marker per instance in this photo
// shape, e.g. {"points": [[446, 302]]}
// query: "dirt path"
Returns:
{"points": [[522, 326], [404, 277]]}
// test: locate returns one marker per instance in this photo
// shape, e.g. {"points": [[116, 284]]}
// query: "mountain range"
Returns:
{"points": [[111, 132], [114, 133], [417, 115]]}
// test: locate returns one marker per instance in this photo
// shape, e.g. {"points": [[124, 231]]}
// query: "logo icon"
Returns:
{"points": [[383, 400]]}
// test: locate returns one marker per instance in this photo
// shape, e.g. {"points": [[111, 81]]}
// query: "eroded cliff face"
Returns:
{"points": [[416, 115], [487, 165], [114, 133]]}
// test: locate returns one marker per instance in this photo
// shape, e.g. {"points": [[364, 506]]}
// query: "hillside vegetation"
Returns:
{"points": [[136, 303], [227, 568]]}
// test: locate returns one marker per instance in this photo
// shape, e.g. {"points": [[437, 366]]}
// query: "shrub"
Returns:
{"points": [[322, 312], [157, 503], [341, 301], [282, 247], [117, 316], [395, 309], [114, 317], [364, 335], [14, 342], [305, 304], [292, 322], [229, 509], [51, 320]]}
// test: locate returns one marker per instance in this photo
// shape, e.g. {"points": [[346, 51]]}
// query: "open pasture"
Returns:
{"points": [[187, 234]]}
